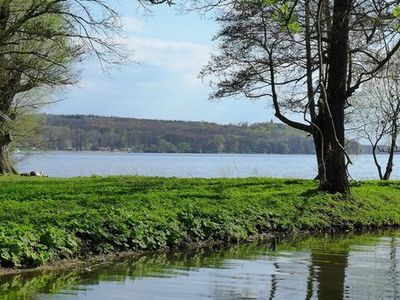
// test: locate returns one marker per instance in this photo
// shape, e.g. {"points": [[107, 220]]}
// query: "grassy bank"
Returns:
{"points": [[43, 219]]}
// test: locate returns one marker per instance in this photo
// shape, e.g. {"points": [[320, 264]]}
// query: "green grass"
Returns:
{"points": [[43, 219]]}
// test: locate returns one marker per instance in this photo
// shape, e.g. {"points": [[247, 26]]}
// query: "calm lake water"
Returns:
{"points": [[343, 267], [70, 164]]}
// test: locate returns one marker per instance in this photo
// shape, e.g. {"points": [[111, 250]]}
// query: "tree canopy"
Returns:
{"points": [[308, 57], [40, 42]]}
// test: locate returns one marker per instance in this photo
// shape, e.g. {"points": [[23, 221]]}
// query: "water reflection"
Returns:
{"points": [[355, 266], [394, 279], [327, 271]]}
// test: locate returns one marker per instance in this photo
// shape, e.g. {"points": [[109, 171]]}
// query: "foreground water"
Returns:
{"points": [[352, 267], [69, 164]]}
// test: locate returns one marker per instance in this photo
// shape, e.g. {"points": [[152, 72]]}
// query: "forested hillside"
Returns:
{"points": [[78, 132]]}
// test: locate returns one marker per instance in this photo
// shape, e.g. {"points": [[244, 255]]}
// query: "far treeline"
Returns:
{"points": [[80, 132]]}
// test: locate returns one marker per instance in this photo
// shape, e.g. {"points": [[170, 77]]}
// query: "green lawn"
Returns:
{"points": [[46, 219]]}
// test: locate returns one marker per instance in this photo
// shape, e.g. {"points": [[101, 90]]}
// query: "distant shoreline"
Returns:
{"points": [[88, 132], [161, 153], [173, 153]]}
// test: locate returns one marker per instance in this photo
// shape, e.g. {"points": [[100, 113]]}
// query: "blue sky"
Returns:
{"points": [[171, 48]]}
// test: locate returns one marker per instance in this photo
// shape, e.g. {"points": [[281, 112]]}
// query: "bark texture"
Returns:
{"points": [[6, 163], [336, 179]]}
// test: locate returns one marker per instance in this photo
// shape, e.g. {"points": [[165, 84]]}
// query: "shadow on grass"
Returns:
{"points": [[310, 193]]}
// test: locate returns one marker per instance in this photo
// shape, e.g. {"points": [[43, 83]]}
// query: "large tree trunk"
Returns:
{"points": [[333, 111], [318, 139], [6, 164]]}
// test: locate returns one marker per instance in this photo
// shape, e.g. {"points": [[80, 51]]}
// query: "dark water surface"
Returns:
{"points": [[363, 266], [70, 164]]}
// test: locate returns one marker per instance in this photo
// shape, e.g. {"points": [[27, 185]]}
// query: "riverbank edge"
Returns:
{"points": [[100, 259], [88, 263], [225, 211]]}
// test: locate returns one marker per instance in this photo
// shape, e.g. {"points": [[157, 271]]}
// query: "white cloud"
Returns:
{"points": [[184, 59], [132, 25], [166, 85]]}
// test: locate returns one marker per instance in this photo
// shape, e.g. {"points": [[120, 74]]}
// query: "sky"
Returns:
{"points": [[170, 47]]}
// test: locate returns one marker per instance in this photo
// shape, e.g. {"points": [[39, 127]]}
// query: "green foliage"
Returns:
{"points": [[284, 13], [396, 12], [23, 245], [286, 17], [45, 219]]}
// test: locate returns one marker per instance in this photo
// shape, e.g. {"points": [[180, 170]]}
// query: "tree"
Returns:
{"points": [[375, 115], [40, 41], [308, 57]]}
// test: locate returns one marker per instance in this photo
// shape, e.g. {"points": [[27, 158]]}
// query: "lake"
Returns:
{"points": [[70, 164], [351, 266]]}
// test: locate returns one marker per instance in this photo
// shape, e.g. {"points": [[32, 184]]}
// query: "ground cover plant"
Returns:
{"points": [[47, 219]]}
